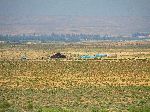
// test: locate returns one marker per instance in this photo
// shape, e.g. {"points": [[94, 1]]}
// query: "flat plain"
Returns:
{"points": [[40, 84]]}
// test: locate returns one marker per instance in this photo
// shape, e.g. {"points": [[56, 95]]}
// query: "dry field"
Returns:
{"points": [[73, 86], [123, 50]]}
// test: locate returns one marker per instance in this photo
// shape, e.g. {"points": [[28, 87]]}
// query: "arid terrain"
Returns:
{"points": [[119, 83]]}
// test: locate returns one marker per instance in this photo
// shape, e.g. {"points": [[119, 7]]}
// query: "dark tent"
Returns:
{"points": [[58, 55]]}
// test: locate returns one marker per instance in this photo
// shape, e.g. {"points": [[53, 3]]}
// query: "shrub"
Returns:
{"points": [[4, 105]]}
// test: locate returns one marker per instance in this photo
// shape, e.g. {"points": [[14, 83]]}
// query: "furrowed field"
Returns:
{"points": [[74, 86]]}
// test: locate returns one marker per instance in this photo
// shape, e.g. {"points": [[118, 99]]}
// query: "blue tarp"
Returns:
{"points": [[100, 55], [92, 57], [87, 57]]}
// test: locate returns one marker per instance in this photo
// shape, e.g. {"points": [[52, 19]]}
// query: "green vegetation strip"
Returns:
{"points": [[81, 99]]}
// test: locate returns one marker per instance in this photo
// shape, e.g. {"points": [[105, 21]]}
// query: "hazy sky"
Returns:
{"points": [[75, 7]]}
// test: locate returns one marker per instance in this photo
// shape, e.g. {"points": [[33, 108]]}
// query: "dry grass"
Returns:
{"points": [[78, 86], [114, 85]]}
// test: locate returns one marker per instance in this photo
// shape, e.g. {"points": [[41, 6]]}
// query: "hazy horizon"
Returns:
{"points": [[74, 24], [75, 7], [114, 17]]}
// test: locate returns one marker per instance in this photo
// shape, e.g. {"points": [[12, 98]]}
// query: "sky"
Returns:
{"points": [[75, 7], [74, 16]]}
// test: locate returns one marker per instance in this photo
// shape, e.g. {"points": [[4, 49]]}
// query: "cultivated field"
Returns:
{"points": [[73, 85]]}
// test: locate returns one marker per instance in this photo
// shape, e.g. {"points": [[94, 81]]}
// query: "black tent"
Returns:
{"points": [[58, 55]]}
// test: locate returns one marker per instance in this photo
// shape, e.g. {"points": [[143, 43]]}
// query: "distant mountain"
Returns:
{"points": [[74, 24]]}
